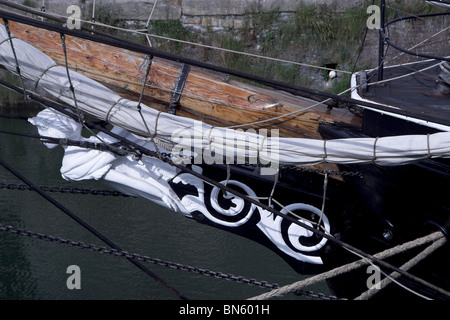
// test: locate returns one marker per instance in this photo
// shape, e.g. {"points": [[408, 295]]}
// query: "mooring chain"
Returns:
{"points": [[159, 262], [313, 295], [125, 254], [328, 172], [191, 159], [24, 187]]}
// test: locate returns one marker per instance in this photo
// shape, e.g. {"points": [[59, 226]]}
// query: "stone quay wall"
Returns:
{"points": [[195, 15]]}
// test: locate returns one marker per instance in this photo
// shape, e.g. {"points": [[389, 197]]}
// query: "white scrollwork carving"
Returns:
{"points": [[227, 209], [237, 205], [291, 243], [295, 231]]}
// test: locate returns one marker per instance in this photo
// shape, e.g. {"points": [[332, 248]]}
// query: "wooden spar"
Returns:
{"points": [[207, 97]]}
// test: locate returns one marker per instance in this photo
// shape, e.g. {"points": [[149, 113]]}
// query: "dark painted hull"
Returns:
{"points": [[294, 186], [393, 205]]}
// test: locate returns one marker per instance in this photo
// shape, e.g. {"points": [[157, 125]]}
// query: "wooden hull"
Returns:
{"points": [[207, 97]]}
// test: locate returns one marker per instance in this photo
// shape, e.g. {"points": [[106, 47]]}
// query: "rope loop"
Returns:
{"points": [[8, 31], [374, 158], [42, 74], [156, 124], [210, 141], [428, 146], [260, 148]]}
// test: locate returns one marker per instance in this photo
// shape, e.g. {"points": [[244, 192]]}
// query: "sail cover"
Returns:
{"points": [[213, 143]]}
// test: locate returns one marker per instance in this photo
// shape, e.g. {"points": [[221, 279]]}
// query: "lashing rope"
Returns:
{"points": [[349, 267], [8, 31], [88, 227]]}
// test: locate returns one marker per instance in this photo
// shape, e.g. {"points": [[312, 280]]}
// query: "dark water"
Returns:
{"points": [[34, 269]]}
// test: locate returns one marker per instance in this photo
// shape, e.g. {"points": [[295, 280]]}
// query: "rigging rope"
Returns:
{"points": [[309, 93], [125, 44], [424, 254], [264, 81], [418, 44], [6, 22], [139, 257], [95, 192], [407, 74], [89, 228], [413, 53], [147, 34], [72, 89], [212, 182], [349, 267], [148, 22], [144, 81], [294, 114]]}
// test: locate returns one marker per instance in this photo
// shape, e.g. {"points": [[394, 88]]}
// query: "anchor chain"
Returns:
{"points": [[125, 254], [329, 172], [159, 262], [24, 187], [313, 295]]}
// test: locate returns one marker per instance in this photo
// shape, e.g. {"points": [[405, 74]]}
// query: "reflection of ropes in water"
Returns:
{"points": [[392, 277]]}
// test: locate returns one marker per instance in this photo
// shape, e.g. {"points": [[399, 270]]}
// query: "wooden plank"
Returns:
{"points": [[205, 96]]}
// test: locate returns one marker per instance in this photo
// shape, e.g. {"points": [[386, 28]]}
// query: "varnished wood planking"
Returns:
{"points": [[205, 96]]}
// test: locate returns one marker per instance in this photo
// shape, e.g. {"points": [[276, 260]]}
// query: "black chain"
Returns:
{"points": [[173, 265], [191, 159], [159, 262], [125, 254], [313, 295], [24, 187], [329, 172]]}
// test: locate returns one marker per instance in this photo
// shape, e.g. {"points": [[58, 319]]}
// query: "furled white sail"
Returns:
{"points": [[150, 178], [212, 142]]}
